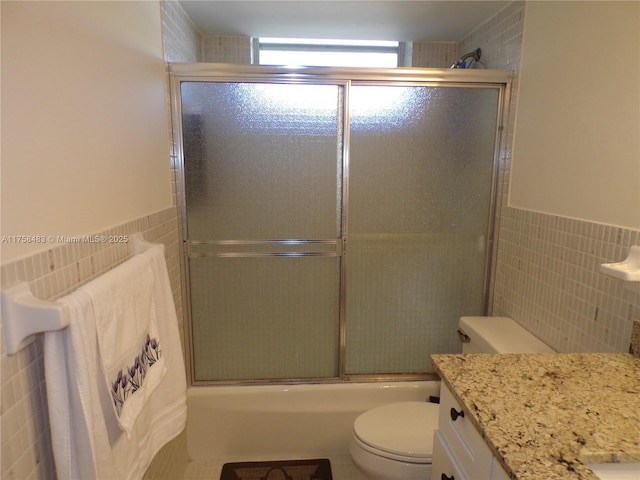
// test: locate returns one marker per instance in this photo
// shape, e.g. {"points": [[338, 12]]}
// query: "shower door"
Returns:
{"points": [[263, 182], [336, 228], [421, 170]]}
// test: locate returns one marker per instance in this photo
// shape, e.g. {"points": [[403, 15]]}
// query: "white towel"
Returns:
{"points": [[130, 350], [72, 391], [88, 441]]}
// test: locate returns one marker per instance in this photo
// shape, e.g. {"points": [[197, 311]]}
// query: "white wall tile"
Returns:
{"points": [[181, 38], [580, 310], [434, 54]]}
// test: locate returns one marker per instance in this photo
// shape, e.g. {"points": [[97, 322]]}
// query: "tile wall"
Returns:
{"points": [[500, 38], [546, 273], [25, 435], [434, 54], [547, 278], [226, 49], [183, 42], [634, 348], [181, 39]]}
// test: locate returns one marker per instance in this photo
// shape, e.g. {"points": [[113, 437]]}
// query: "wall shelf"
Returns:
{"points": [[628, 270]]}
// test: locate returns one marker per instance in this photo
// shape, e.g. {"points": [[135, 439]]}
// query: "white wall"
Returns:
{"points": [[577, 134], [85, 134]]}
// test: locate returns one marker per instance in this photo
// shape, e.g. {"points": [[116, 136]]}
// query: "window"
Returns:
{"points": [[327, 53]]}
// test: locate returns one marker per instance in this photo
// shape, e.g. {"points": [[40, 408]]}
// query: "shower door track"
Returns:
{"points": [[195, 72]]}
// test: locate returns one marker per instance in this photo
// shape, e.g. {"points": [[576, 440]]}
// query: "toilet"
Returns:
{"points": [[395, 441]]}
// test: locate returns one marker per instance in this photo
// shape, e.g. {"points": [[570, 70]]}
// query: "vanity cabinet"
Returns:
{"points": [[459, 452]]}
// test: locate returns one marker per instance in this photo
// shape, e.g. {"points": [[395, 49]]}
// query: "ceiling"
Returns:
{"points": [[430, 20]]}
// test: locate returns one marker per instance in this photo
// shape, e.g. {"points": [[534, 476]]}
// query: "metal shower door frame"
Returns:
{"points": [[345, 77]]}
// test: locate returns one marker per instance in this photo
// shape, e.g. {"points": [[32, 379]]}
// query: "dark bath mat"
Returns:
{"points": [[316, 469]]}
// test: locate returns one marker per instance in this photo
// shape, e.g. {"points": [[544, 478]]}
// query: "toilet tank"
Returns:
{"points": [[498, 335]]}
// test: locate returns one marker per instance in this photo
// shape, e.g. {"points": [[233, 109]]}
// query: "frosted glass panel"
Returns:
{"points": [[263, 175], [420, 183], [264, 318], [262, 160]]}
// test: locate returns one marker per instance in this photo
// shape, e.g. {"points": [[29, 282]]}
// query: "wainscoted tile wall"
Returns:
{"points": [[547, 279], [26, 443]]}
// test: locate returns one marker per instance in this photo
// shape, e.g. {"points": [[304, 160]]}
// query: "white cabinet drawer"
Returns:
{"points": [[462, 438], [444, 466]]}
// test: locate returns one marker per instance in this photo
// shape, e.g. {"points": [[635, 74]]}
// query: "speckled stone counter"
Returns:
{"points": [[546, 416]]}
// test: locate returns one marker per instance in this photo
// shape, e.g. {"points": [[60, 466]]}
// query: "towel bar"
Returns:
{"points": [[24, 315]]}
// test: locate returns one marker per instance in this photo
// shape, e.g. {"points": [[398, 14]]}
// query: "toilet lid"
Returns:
{"points": [[404, 428]]}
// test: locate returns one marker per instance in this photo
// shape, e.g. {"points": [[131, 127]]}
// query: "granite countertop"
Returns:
{"points": [[546, 416]]}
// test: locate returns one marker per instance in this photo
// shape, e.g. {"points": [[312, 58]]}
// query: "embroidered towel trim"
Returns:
{"points": [[130, 348]]}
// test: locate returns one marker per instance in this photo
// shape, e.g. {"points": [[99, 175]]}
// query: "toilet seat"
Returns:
{"points": [[399, 431]]}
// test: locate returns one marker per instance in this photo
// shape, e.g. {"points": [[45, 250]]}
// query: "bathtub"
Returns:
{"points": [[285, 420]]}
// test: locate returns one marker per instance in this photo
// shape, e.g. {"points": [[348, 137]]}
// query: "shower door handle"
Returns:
{"points": [[265, 248]]}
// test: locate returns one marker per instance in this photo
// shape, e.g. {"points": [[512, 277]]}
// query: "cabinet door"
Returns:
{"points": [[462, 438], [444, 465]]}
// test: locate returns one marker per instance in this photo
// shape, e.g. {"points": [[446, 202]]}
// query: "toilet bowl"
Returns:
{"points": [[395, 441]]}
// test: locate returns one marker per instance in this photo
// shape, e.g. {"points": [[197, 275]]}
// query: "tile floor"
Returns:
{"points": [[172, 463], [341, 468]]}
